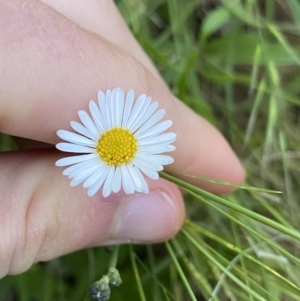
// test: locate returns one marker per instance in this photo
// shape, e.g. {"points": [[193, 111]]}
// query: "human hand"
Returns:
{"points": [[55, 56]]}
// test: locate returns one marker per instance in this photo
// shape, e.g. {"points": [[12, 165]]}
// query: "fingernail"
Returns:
{"points": [[144, 218]]}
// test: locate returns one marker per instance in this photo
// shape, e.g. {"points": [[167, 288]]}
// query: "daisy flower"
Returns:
{"points": [[119, 143]]}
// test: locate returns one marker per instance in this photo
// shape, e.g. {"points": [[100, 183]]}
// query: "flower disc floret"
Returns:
{"points": [[117, 146]]}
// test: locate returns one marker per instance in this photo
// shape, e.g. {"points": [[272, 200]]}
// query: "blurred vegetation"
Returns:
{"points": [[236, 63]]}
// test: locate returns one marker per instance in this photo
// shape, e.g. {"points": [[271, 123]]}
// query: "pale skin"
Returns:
{"points": [[55, 56]]}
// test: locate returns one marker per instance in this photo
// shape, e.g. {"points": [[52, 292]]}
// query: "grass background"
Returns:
{"points": [[236, 63]]}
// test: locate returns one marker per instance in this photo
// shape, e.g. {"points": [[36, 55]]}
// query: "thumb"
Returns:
{"points": [[41, 217]]}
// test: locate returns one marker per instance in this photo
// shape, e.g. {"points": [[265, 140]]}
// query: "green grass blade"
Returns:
{"points": [[136, 274], [222, 268], [224, 202], [248, 228], [180, 272], [243, 253]]}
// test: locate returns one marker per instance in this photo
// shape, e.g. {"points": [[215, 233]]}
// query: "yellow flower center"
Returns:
{"points": [[117, 146]]}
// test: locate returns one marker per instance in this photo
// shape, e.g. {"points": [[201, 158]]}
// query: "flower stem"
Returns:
{"points": [[114, 259]]}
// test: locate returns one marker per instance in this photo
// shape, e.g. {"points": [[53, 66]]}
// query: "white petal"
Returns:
{"points": [[97, 117], [161, 159], [82, 168], [113, 106], [127, 183], [155, 130], [107, 188], [89, 124], [149, 172], [83, 175], [101, 98], [119, 107], [78, 127], [74, 148], [127, 107], [74, 159], [75, 138], [73, 168], [70, 171], [95, 176], [97, 185], [148, 162], [102, 107], [135, 112], [116, 186], [151, 109], [145, 188], [136, 178], [141, 113], [165, 138], [74, 183], [108, 103], [157, 148], [153, 120]]}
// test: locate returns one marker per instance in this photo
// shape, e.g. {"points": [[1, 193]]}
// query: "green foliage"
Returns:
{"points": [[236, 63], [6, 143]]}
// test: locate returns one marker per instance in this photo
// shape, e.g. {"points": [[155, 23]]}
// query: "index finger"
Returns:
{"points": [[52, 68]]}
